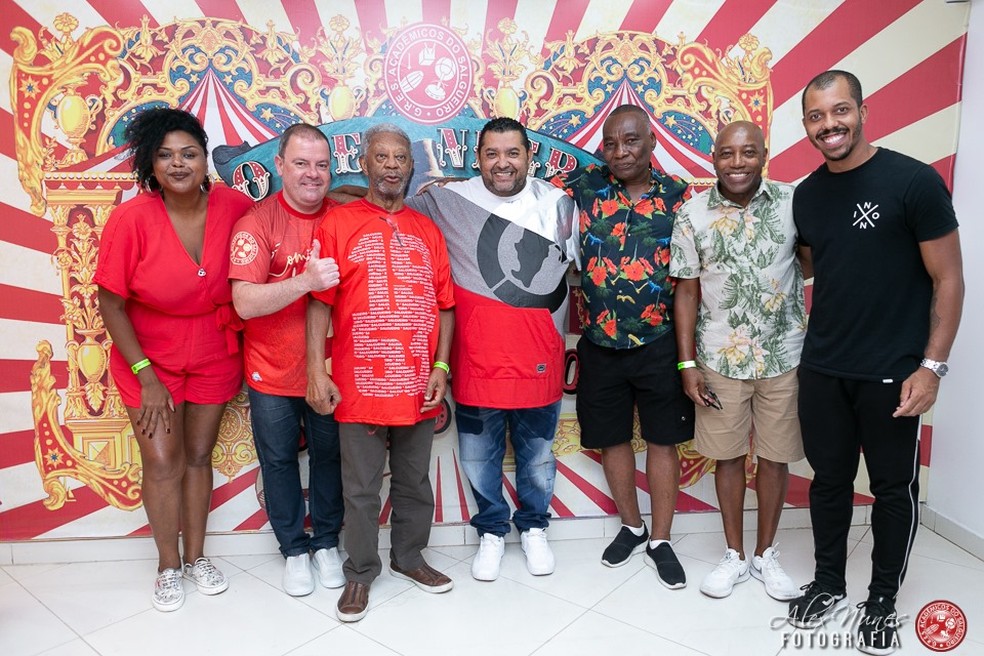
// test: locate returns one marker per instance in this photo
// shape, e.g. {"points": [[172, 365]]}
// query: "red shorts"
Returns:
{"points": [[190, 355]]}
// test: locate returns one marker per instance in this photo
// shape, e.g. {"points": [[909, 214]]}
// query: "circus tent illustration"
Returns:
{"points": [[77, 70]]}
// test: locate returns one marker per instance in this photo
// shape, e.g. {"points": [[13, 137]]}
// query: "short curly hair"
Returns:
{"points": [[146, 132]]}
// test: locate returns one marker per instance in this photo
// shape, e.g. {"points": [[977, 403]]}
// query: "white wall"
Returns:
{"points": [[956, 474]]}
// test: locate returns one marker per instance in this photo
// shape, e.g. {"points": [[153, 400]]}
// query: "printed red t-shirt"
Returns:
{"points": [[395, 277], [270, 244]]}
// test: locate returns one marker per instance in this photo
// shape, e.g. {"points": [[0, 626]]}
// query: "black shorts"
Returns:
{"points": [[612, 381]]}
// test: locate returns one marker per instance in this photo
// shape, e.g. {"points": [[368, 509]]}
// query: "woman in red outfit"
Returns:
{"points": [[165, 297]]}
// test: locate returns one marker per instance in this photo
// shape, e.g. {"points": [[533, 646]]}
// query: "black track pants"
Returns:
{"points": [[839, 419]]}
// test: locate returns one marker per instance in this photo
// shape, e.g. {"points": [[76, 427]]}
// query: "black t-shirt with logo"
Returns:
{"points": [[871, 291]]}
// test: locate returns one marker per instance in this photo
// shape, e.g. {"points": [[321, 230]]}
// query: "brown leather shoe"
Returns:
{"points": [[354, 602], [424, 577]]}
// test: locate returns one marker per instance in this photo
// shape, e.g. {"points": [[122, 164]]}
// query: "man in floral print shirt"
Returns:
{"points": [[734, 258], [627, 351]]}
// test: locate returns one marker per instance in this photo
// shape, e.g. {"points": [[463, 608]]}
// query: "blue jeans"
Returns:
{"points": [[277, 422], [482, 445]]}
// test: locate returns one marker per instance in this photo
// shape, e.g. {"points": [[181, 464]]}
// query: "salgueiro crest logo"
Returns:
{"points": [[428, 74]]}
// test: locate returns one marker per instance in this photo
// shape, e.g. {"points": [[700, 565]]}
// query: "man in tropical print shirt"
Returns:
{"points": [[627, 352], [739, 301]]}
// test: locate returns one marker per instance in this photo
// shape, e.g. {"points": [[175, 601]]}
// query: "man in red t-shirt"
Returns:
{"points": [[393, 320], [274, 267]]}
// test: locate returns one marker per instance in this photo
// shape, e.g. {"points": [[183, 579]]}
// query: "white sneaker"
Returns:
{"points": [[722, 579], [329, 564], [539, 557], [169, 592], [778, 584], [485, 566], [208, 579], [298, 579]]}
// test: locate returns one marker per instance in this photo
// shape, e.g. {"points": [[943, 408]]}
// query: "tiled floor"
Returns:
{"points": [[83, 609]]}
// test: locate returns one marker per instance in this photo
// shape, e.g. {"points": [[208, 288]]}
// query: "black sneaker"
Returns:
{"points": [[669, 571], [808, 611], [624, 546], [878, 629]]}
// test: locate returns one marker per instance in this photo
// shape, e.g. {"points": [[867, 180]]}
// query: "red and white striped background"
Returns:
{"points": [[907, 53]]}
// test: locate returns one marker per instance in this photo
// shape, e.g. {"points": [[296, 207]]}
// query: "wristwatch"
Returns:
{"points": [[938, 368]]}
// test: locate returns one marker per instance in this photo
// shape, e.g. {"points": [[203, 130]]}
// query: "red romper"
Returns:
{"points": [[181, 311]]}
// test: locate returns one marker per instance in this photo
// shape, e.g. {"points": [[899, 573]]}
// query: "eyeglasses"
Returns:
{"points": [[712, 399], [396, 229]]}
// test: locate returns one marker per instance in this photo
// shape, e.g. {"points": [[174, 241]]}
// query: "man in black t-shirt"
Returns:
{"points": [[887, 295]]}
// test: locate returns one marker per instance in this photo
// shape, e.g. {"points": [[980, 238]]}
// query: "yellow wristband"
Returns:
{"points": [[137, 366], [686, 364], [442, 365]]}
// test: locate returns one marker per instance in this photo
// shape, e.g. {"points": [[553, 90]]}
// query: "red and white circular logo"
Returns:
{"points": [[941, 625], [428, 73], [243, 248]]}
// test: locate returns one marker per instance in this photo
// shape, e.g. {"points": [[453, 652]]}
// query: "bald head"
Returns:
{"points": [[748, 129], [739, 157]]}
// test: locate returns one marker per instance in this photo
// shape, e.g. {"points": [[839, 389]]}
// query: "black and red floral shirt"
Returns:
{"points": [[625, 255]]}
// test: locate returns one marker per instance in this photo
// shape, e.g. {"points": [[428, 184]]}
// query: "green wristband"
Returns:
{"points": [[137, 366], [686, 364], [442, 365]]}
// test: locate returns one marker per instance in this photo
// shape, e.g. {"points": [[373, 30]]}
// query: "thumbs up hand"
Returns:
{"points": [[321, 272]]}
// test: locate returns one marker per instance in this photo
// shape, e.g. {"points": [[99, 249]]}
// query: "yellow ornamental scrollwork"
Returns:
{"points": [[78, 218], [56, 459], [234, 449], [724, 89], [674, 80], [86, 86], [582, 75], [55, 71], [275, 50], [338, 55], [144, 49], [510, 58]]}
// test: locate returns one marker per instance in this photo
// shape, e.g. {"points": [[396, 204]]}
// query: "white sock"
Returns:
{"points": [[655, 543], [636, 531]]}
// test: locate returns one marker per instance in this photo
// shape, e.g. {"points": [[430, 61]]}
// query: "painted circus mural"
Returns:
{"points": [[77, 72]]}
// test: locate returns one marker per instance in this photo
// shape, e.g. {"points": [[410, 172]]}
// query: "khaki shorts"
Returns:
{"points": [[768, 404]]}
